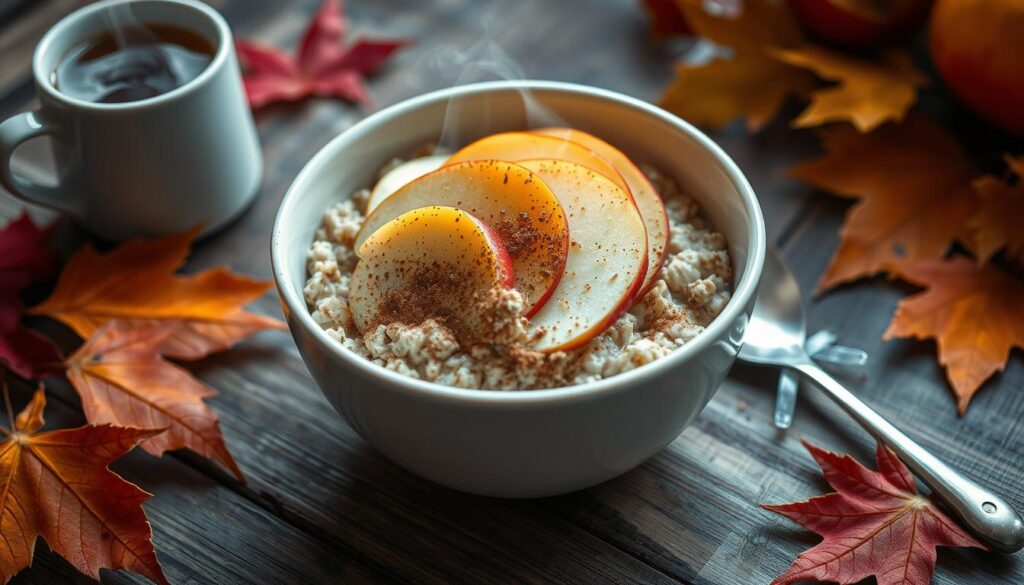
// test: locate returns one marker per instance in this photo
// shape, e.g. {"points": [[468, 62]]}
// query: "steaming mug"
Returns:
{"points": [[154, 166]]}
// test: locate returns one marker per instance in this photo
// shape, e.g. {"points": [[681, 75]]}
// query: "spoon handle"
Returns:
{"points": [[985, 514]]}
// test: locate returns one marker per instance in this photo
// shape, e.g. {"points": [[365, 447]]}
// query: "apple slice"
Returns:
{"points": [[520, 208], [517, 146], [607, 256], [397, 177], [651, 207], [432, 262]]}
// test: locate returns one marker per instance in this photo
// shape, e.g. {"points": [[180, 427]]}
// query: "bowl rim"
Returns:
{"points": [[743, 293]]}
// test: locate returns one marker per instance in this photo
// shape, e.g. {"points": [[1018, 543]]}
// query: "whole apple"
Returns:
{"points": [[978, 48], [860, 24]]}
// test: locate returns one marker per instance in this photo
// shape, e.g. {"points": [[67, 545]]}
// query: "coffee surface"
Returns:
{"points": [[137, 63]]}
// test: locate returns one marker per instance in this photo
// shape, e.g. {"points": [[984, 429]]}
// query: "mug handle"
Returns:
{"points": [[13, 132]]}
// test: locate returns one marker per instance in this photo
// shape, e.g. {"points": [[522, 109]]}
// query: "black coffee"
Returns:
{"points": [[139, 63]]}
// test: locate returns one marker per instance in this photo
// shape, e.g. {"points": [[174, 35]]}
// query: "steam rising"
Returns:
{"points": [[485, 60], [134, 65]]}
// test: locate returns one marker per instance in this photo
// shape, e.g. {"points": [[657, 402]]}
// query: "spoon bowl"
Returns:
{"points": [[778, 328]]}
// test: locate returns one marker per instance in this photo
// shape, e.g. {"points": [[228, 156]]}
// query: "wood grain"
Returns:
{"points": [[320, 505], [203, 533]]}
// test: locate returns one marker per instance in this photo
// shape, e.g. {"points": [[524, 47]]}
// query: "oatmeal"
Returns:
{"points": [[692, 288]]}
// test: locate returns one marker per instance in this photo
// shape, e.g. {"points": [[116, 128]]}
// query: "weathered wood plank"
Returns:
{"points": [[18, 36], [203, 532], [691, 512], [296, 439], [704, 488]]}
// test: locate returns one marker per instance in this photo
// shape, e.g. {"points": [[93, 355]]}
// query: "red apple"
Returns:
{"points": [[521, 209], [516, 146], [860, 24], [431, 262], [402, 175], [977, 47], [607, 258], [652, 210]]}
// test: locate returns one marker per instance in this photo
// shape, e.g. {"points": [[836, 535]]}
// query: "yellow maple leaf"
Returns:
{"points": [[999, 222], [912, 181], [751, 83], [868, 93], [973, 312]]}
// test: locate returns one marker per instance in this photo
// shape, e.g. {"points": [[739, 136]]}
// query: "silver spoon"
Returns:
{"points": [[776, 336]]}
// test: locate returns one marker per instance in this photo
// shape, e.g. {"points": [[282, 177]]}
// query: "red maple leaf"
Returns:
{"points": [[24, 259], [321, 67], [24, 255], [875, 524], [23, 351]]}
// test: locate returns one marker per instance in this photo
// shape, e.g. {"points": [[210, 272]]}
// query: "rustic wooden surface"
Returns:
{"points": [[321, 506]]}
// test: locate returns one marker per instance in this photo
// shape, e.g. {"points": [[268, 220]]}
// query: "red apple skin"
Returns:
{"points": [[418, 238], [835, 25], [505, 263], [977, 47]]}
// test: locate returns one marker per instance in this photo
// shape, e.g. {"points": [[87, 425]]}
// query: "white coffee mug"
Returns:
{"points": [[148, 167]]}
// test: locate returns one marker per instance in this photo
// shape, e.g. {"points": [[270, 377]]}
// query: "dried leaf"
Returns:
{"points": [[666, 18], [122, 380], [868, 93], [912, 181], [751, 83], [321, 66], [25, 258], [136, 281], [975, 314], [999, 222], [876, 523], [23, 351], [57, 485]]}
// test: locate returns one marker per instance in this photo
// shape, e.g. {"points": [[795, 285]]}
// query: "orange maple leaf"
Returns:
{"points": [[57, 485], [122, 380], [869, 91], [999, 222], [975, 314], [136, 281], [751, 83], [912, 181]]}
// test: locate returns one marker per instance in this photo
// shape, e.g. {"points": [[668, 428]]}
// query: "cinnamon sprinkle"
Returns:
{"points": [[522, 239], [426, 295], [517, 233]]}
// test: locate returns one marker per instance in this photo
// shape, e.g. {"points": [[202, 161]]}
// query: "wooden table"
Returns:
{"points": [[321, 506]]}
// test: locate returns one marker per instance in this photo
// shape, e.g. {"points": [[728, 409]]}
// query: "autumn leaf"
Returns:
{"points": [[57, 485], [751, 83], [912, 183], [666, 18], [876, 523], [25, 258], [999, 222], [975, 313], [136, 281], [122, 380], [321, 66], [23, 351], [868, 91]]}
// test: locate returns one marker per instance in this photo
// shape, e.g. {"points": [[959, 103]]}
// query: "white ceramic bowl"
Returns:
{"points": [[532, 443]]}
